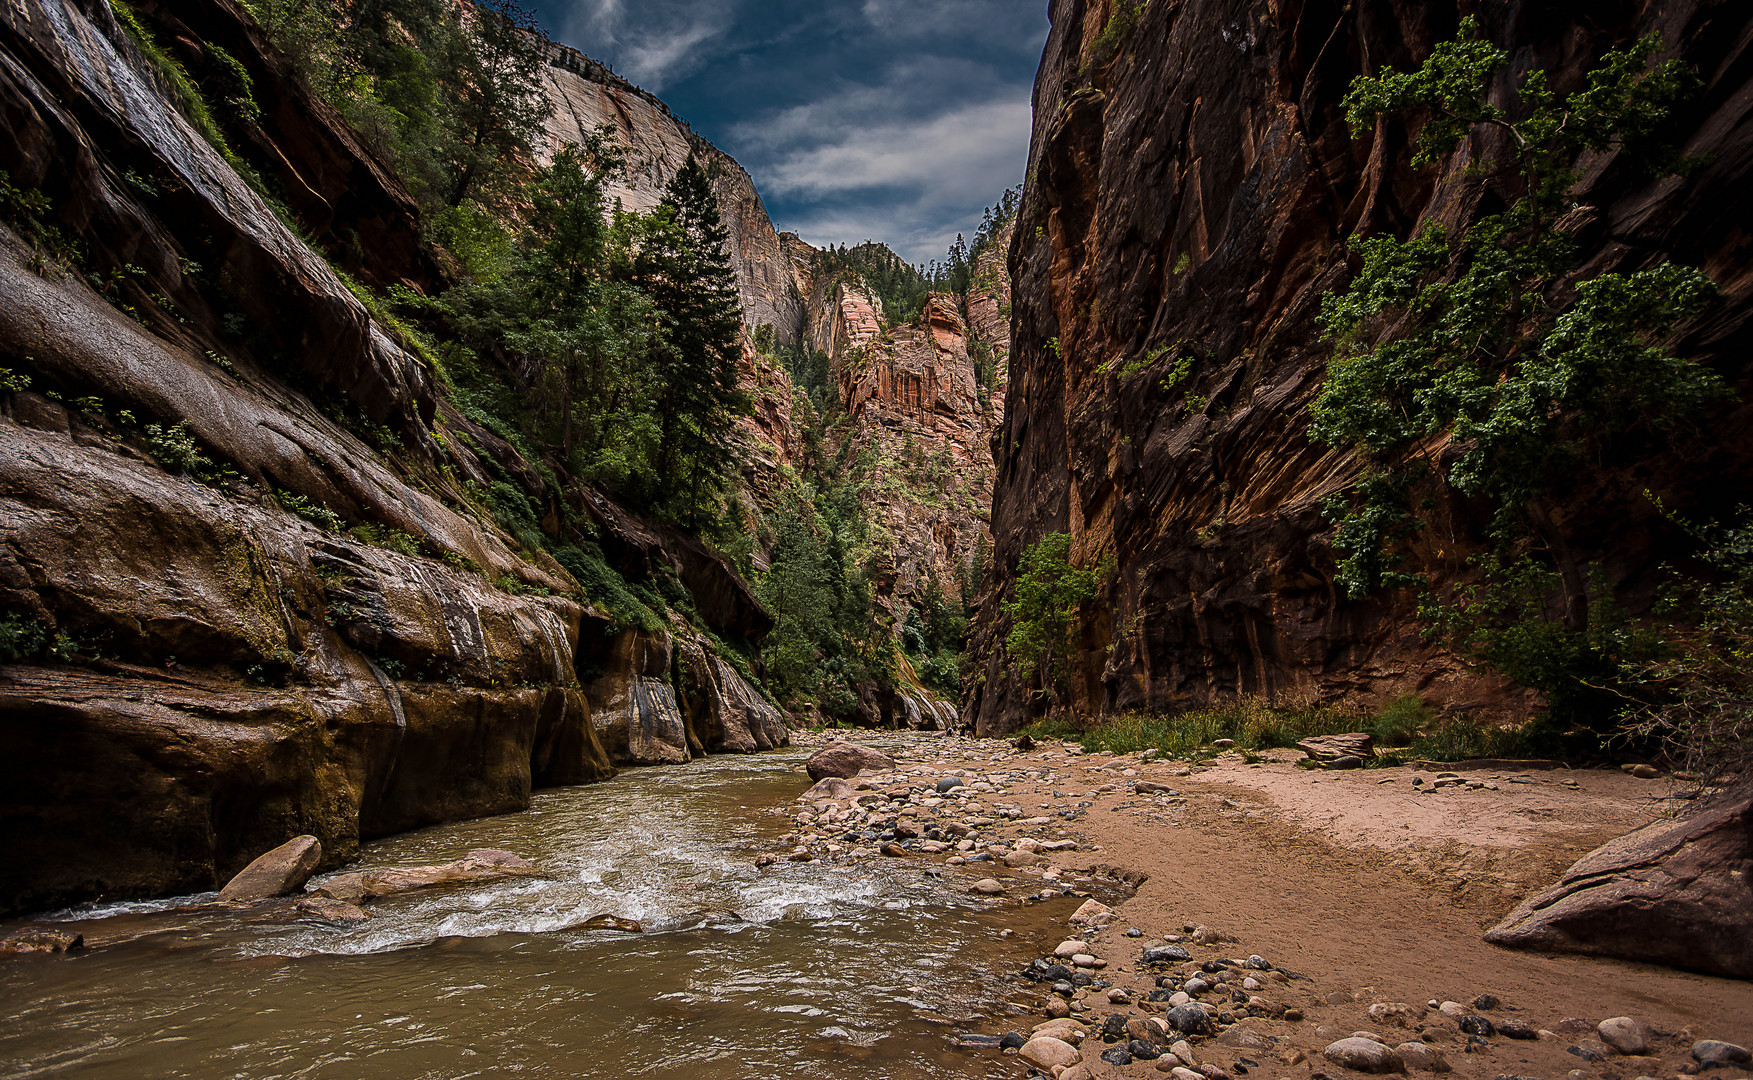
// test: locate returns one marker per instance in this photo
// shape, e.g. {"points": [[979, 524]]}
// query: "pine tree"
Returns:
{"points": [[683, 265]]}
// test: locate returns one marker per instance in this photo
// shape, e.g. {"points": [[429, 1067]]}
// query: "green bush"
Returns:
{"points": [[1401, 720], [1252, 723], [1465, 738], [21, 637]]}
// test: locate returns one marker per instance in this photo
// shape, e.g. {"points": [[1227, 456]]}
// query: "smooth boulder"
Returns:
{"points": [[1364, 1055], [280, 872], [846, 760], [1044, 1052], [1672, 893]]}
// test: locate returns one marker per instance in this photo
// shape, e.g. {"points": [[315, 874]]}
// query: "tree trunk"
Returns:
{"points": [[1570, 572]]}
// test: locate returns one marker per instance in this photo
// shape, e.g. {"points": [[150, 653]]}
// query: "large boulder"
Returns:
{"points": [[1327, 748], [1678, 893], [846, 760], [280, 872]]}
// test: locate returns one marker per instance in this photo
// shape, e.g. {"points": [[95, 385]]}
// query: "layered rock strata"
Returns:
{"points": [[1192, 182], [246, 590]]}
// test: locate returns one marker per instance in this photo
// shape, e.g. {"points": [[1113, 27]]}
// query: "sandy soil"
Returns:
{"points": [[1370, 887]]}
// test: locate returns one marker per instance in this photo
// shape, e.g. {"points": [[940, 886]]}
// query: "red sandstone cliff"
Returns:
{"points": [[1191, 184]]}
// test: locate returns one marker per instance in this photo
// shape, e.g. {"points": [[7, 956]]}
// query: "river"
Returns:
{"points": [[824, 970]]}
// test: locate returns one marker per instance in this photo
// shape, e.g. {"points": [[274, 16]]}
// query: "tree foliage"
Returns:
{"points": [[1043, 616], [1473, 360]]}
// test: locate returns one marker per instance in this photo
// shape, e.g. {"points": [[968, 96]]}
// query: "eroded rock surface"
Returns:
{"points": [[1678, 893], [1192, 183], [276, 873]]}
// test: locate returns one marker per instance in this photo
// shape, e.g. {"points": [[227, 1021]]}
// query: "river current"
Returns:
{"points": [[822, 970]]}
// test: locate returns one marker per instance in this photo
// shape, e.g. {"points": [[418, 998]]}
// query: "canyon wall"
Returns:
{"points": [[249, 587], [1191, 184], [588, 98]]}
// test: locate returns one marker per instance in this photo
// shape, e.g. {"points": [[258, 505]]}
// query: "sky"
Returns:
{"points": [[890, 120]]}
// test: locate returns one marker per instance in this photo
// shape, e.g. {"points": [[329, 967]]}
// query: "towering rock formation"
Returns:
{"points": [[588, 98], [248, 588], [1192, 180]]}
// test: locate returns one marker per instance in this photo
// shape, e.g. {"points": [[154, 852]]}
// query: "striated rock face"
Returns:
{"points": [[1189, 194], [656, 143], [244, 593]]}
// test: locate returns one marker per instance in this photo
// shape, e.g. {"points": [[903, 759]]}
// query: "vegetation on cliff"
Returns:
{"points": [[1475, 362]]}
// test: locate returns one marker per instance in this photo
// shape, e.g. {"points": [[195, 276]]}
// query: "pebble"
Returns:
{"points": [[1188, 1019], [1142, 1050], [1515, 1029], [1068, 948], [1181, 1072], [1165, 954], [1478, 1025]]}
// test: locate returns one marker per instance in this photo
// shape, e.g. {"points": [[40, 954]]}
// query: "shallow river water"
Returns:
{"points": [[800, 969]]}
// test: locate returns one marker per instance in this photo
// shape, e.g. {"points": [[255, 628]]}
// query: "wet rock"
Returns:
{"points": [[1364, 1055], [1011, 1040], [1712, 1052], [1045, 1052], [612, 922], [1669, 893], [1093, 914], [846, 760], [986, 887], [482, 864], [1422, 1057], [279, 872], [338, 912], [1624, 1034], [893, 849], [40, 940]]}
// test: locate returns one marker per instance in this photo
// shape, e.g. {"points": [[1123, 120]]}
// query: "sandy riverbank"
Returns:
{"points": [[1375, 890]]}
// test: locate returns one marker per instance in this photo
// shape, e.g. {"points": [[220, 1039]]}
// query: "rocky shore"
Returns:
{"points": [[1250, 931]]}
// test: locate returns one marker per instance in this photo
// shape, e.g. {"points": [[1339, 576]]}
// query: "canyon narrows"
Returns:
{"points": [[481, 594]]}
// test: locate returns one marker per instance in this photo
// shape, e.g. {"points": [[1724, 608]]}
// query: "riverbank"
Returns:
{"points": [[1376, 890]]}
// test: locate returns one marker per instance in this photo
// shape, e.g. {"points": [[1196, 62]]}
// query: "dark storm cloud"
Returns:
{"points": [[892, 120]]}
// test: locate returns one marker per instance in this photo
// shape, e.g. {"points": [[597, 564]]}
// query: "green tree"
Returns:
{"points": [[1049, 591], [1479, 346], [681, 262], [499, 106]]}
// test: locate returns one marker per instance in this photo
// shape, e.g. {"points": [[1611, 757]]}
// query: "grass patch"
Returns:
{"points": [[1464, 738], [1252, 723]]}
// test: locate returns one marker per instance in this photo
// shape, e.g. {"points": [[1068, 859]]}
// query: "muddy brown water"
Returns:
{"points": [[866, 969]]}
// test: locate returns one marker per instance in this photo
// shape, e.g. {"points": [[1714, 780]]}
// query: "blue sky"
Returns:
{"points": [[892, 120]]}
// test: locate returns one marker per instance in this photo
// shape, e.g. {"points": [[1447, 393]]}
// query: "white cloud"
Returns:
{"points": [[659, 42]]}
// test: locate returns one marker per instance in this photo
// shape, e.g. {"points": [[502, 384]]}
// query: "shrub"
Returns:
{"points": [[1401, 720]]}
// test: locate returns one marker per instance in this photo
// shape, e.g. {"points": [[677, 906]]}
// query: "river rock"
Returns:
{"points": [[846, 760], [948, 784], [1624, 1034], [1364, 1055], [1093, 914], [1017, 859], [986, 887], [324, 909], [482, 864], [829, 787], [1711, 1052], [1045, 1052], [1397, 1013], [1165, 954], [279, 872], [1422, 1056], [1673, 893], [40, 940], [1189, 1019], [1327, 748]]}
